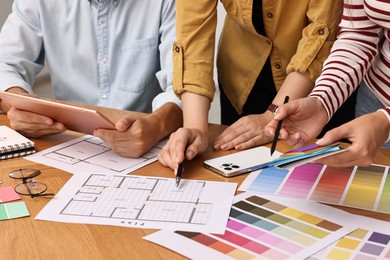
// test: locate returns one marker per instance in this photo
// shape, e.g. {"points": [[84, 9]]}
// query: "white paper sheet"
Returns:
{"points": [[289, 229], [142, 202], [91, 154]]}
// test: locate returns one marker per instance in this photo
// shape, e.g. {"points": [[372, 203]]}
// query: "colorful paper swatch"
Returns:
{"points": [[13, 210], [370, 242], [8, 194], [265, 227], [305, 154], [358, 187]]}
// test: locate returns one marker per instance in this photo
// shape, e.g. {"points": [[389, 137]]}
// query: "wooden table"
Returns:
{"points": [[26, 238]]}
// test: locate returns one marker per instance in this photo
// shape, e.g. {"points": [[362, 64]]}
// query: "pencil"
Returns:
{"points": [[277, 131], [178, 174]]}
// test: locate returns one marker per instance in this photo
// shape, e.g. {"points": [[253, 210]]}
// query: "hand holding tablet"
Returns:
{"points": [[74, 118]]}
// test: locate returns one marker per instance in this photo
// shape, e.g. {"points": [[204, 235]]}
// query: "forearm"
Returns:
{"points": [[166, 119], [296, 85], [195, 111], [17, 90]]}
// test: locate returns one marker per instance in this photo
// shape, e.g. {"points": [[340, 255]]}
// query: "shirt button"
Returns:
{"points": [[270, 15], [277, 66], [102, 20], [104, 97], [321, 31]]}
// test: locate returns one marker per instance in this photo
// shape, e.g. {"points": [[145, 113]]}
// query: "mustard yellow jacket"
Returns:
{"points": [[299, 36]]}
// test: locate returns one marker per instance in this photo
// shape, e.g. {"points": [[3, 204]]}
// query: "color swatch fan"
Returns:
{"points": [[306, 154]]}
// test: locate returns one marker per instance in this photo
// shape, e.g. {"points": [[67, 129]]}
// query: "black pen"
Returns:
{"points": [[277, 131], [178, 174]]}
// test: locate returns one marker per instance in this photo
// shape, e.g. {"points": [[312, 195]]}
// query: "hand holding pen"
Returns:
{"points": [[303, 120], [182, 145]]}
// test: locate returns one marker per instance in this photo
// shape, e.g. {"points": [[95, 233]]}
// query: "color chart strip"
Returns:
{"points": [[265, 228], [370, 242], [359, 187], [332, 184], [301, 180]]}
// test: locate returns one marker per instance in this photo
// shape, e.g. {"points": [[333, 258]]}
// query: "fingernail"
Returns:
{"points": [[190, 155]]}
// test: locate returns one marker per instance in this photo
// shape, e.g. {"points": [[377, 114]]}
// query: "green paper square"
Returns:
{"points": [[3, 213], [17, 209]]}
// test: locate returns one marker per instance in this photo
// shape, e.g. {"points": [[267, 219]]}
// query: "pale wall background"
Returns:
{"points": [[43, 84]]}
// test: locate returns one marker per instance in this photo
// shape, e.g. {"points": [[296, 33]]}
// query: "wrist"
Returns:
{"points": [[16, 90], [273, 108], [386, 113], [166, 119], [320, 107]]}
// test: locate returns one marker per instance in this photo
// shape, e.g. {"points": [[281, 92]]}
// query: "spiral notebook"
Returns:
{"points": [[13, 144]]}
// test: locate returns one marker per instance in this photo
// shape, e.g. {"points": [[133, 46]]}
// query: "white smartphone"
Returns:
{"points": [[75, 118], [241, 162]]}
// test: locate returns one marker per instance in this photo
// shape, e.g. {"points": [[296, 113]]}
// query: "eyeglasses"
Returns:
{"points": [[29, 186]]}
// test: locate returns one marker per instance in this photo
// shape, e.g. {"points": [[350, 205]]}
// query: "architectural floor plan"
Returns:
{"points": [[140, 201], [91, 153]]}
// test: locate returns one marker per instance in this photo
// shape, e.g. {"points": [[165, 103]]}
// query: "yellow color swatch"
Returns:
{"points": [[348, 243]]}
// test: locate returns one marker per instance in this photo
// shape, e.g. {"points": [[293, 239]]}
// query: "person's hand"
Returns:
{"points": [[134, 135], [28, 123], [367, 134], [247, 132], [303, 119], [192, 138], [184, 142]]}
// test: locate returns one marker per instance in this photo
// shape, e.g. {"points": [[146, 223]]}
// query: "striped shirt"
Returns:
{"points": [[361, 51]]}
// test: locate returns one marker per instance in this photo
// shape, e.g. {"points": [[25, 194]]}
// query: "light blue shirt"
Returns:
{"points": [[112, 53]]}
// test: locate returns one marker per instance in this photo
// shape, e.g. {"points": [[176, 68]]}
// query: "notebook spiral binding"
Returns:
{"points": [[16, 150]]}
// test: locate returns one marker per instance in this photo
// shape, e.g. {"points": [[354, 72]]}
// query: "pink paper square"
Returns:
{"points": [[8, 194]]}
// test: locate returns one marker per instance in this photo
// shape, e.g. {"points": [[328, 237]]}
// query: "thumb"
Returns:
{"points": [[331, 136], [124, 123]]}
